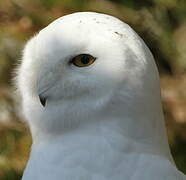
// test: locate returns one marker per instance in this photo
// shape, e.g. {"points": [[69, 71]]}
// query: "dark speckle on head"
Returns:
{"points": [[80, 21], [119, 34], [97, 22]]}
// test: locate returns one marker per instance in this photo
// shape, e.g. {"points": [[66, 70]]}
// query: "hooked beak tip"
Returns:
{"points": [[42, 100]]}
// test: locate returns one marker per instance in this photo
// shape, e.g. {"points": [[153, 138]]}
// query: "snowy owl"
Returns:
{"points": [[91, 97]]}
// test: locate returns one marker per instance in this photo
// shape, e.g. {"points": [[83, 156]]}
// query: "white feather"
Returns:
{"points": [[103, 121]]}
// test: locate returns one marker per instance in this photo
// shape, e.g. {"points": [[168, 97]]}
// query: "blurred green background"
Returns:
{"points": [[162, 25]]}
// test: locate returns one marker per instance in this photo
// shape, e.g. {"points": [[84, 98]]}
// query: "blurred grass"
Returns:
{"points": [[162, 25]]}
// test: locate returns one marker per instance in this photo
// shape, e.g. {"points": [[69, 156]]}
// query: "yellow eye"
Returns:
{"points": [[83, 60]]}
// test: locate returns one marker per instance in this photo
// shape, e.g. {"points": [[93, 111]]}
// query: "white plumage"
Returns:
{"points": [[103, 121]]}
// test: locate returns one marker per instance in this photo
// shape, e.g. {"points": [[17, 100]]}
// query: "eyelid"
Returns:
{"points": [[72, 57]]}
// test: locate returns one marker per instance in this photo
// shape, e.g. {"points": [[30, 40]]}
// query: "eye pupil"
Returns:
{"points": [[85, 59]]}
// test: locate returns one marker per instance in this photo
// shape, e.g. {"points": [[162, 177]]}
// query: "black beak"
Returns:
{"points": [[42, 100]]}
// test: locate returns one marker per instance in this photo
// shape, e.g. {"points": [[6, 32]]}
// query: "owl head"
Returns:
{"points": [[85, 65]]}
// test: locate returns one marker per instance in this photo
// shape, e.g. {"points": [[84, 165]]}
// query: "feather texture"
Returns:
{"points": [[100, 122]]}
